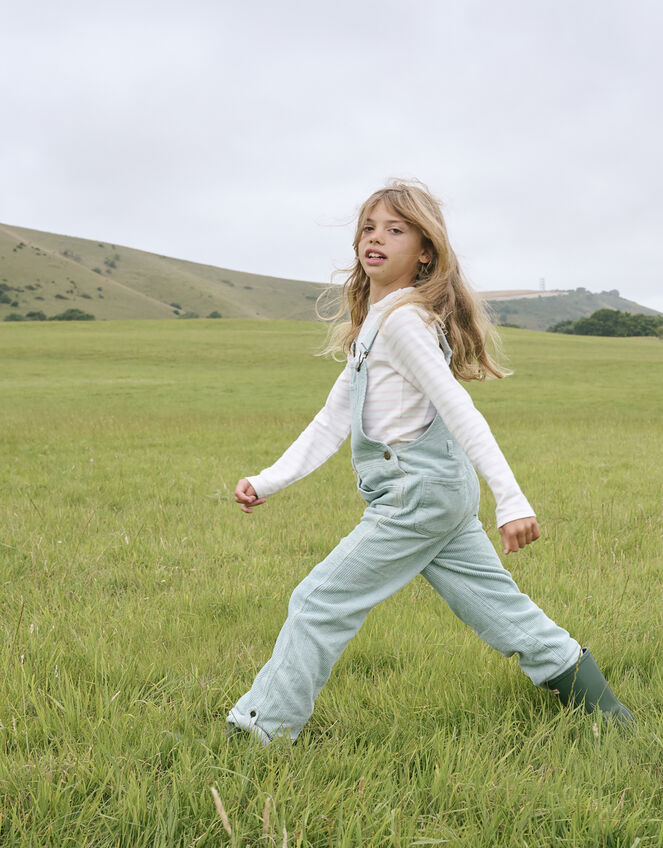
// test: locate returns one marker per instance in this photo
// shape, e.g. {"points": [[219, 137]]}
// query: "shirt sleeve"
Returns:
{"points": [[415, 353], [316, 444]]}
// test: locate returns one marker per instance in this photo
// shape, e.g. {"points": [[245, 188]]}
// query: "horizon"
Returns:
{"points": [[499, 294]]}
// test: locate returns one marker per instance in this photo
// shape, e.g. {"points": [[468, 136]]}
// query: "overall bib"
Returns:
{"points": [[422, 499]]}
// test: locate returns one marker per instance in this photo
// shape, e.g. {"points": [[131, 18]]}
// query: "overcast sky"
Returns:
{"points": [[246, 134]]}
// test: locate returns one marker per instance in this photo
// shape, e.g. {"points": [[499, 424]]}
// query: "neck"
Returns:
{"points": [[376, 293]]}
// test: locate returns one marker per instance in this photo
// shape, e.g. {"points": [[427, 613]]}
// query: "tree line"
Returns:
{"points": [[612, 322], [67, 315]]}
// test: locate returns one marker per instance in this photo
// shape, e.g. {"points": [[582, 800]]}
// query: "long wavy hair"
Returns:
{"points": [[439, 288]]}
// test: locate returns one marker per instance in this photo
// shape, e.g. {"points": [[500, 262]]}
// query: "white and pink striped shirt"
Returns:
{"points": [[408, 380]]}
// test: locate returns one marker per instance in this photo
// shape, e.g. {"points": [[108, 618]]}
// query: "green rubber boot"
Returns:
{"points": [[584, 684]]}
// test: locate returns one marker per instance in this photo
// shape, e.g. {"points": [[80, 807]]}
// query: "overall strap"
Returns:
{"points": [[444, 344], [366, 345]]}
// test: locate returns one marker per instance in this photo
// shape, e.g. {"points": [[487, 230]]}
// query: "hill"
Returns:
{"points": [[540, 310], [50, 273]]}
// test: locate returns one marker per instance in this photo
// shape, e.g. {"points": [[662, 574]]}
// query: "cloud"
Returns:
{"points": [[245, 135]]}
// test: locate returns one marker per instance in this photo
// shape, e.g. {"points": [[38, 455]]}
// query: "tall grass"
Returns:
{"points": [[137, 603]]}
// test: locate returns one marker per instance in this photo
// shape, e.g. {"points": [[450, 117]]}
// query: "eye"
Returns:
{"points": [[395, 230], [368, 228]]}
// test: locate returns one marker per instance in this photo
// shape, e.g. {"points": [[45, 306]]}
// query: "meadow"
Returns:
{"points": [[137, 603]]}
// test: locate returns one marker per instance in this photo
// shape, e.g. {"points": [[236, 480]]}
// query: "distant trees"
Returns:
{"points": [[71, 255], [67, 315], [111, 261], [72, 315], [612, 322]]}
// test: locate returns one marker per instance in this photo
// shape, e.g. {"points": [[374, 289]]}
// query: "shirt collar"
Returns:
{"points": [[388, 299]]}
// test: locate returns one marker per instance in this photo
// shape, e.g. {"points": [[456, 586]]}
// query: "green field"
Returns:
{"points": [[138, 602]]}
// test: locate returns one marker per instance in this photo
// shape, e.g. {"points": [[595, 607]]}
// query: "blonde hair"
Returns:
{"points": [[439, 287]]}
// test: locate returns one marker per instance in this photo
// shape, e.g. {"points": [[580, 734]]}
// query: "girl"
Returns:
{"points": [[415, 328]]}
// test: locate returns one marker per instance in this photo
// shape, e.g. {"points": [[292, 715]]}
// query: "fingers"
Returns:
{"points": [[246, 496], [244, 492], [257, 502], [517, 534]]}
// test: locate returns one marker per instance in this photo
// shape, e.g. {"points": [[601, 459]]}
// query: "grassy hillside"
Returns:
{"points": [[539, 313], [138, 603], [50, 273]]}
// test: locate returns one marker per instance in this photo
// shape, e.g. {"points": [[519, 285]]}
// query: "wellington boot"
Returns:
{"points": [[584, 684]]}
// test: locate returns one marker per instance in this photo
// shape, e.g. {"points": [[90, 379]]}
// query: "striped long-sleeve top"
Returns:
{"points": [[408, 380]]}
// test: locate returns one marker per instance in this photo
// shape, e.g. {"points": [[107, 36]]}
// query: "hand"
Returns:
{"points": [[516, 534], [246, 496]]}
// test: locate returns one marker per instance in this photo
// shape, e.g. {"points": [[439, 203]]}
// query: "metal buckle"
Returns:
{"points": [[362, 356]]}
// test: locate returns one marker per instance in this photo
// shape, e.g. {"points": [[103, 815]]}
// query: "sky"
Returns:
{"points": [[246, 135]]}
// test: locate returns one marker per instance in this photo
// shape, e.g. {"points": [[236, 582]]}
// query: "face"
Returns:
{"points": [[390, 251]]}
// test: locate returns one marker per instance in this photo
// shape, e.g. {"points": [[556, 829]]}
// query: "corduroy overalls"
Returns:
{"points": [[421, 518]]}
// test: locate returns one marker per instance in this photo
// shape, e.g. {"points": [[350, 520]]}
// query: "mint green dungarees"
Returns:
{"points": [[422, 499]]}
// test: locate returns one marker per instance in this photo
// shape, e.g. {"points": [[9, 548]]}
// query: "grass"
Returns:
{"points": [[137, 603], [49, 273]]}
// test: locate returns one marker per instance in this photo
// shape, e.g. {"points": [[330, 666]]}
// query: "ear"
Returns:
{"points": [[425, 256]]}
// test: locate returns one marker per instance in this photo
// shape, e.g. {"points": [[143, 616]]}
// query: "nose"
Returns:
{"points": [[375, 237]]}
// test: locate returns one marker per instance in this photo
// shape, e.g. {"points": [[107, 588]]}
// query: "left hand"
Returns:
{"points": [[516, 534]]}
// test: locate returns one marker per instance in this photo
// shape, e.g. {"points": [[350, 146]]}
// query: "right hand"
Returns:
{"points": [[246, 496]]}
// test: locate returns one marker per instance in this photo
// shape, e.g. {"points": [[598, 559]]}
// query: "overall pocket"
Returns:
{"points": [[441, 505], [387, 498]]}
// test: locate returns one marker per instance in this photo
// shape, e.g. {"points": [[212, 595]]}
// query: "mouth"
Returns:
{"points": [[374, 257]]}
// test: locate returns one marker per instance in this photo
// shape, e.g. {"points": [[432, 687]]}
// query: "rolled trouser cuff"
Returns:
{"points": [[248, 724]]}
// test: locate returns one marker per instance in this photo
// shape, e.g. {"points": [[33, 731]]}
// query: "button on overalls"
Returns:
{"points": [[422, 499]]}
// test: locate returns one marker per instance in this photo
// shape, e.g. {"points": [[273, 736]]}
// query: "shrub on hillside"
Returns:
{"points": [[14, 316], [611, 322], [35, 316], [72, 315], [215, 314], [562, 327]]}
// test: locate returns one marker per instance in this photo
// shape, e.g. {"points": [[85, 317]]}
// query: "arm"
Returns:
{"points": [[316, 444], [416, 355]]}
